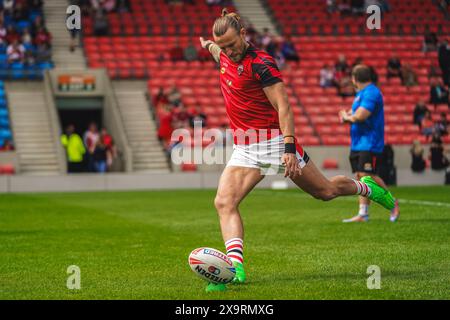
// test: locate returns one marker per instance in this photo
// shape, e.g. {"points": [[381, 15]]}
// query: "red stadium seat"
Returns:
{"points": [[7, 169]]}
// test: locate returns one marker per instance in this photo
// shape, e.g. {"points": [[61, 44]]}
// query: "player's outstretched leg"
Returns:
{"points": [[316, 184]]}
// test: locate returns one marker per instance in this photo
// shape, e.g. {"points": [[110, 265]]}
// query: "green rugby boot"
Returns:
{"points": [[379, 195], [240, 276], [213, 287]]}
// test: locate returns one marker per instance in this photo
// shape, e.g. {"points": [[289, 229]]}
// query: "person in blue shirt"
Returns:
{"points": [[367, 135]]}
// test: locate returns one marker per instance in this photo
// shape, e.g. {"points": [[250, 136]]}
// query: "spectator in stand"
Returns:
{"points": [[43, 53], [20, 12], [75, 150], [394, 68], [409, 77], [197, 116], [444, 61], [16, 52], [331, 6], [11, 34], [100, 156], [344, 7], [108, 5], [42, 37], [190, 52], [438, 93], [420, 111], [174, 96], [101, 24], [29, 59], [160, 99], [3, 33], [326, 76], [418, 162], [427, 125], [90, 139], [341, 68], [111, 150], [27, 39], [345, 87], [123, 6], [251, 35], [8, 7], [7, 146], [430, 42], [441, 126], [176, 53], [434, 71], [358, 5], [35, 5], [278, 56], [37, 24], [437, 154], [180, 117], [288, 50], [165, 116], [265, 39]]}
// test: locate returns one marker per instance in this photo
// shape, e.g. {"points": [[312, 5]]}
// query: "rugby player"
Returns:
{"points": [[264, 137]]}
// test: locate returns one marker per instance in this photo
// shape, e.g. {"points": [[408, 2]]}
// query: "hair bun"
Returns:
{"points": [[224, 12]]}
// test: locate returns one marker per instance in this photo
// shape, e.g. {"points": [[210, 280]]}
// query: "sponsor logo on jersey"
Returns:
{"points": [[240, 69]]}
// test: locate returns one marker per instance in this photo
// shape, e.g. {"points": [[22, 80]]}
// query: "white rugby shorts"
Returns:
{"points": [[265, 155]]}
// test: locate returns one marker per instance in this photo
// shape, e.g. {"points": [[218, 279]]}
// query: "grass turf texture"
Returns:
{"points": [[134, 245]]}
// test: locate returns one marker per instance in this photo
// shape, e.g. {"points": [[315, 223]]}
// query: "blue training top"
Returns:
{"points": [[369, 134]]}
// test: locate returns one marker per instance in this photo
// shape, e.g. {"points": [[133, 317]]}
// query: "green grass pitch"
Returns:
{"points": [[135, 245]]}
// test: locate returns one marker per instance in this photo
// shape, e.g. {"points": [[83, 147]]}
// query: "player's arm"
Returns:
{"points": [[213, 48], [360, 115], [277, 96]]}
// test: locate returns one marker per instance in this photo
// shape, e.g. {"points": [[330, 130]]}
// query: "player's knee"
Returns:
{"points": [[223, 204]]}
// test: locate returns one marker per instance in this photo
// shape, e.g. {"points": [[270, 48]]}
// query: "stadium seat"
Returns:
{"points": [[330, 163], [7, 169]]}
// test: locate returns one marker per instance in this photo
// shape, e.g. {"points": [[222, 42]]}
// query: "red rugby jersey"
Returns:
{"points": [[242, 86]]}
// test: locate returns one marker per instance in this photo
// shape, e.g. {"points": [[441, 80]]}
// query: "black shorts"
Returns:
{"points": [[365, 161]]}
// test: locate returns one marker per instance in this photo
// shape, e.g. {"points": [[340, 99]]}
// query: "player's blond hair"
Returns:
{"points": [[226, 21]]}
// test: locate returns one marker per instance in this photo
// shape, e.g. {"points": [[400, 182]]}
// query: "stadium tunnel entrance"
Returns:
{"points": [[80, 112]]}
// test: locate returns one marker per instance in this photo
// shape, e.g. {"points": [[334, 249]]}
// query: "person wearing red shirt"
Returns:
{"points": [[264, 137]]}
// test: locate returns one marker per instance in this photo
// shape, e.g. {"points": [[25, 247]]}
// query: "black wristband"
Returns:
{"points": [[290, 148], [207, 45]]}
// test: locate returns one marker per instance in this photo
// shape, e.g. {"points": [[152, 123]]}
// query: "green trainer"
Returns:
{"points": [[213, 287], [240, 273], [379, 195]]}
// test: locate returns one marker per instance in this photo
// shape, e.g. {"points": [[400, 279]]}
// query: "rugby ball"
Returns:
{"points": [[211, 265]]}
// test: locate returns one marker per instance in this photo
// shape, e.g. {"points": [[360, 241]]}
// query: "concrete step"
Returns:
{"points": [[38, 168], [149, 166], [37, 155], [138, 158]]}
